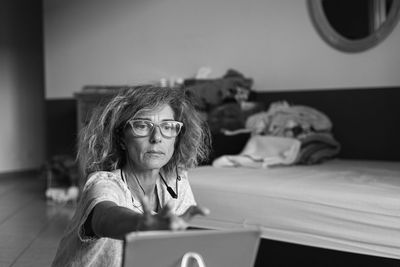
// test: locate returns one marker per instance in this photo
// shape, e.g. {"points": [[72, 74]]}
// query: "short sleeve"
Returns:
{"points": [[100, 186]]}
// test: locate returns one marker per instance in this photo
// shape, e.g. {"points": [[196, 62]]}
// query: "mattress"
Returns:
{"points": [[343, 205]]}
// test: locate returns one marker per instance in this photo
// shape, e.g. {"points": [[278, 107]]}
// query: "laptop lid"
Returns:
{"points": [[216, 248]]}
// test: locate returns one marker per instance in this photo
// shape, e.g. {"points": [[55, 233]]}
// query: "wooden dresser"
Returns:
{"points": [[89, 98]]}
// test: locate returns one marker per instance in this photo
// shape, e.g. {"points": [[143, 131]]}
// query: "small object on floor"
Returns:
{"points": [[62, 195], [61, 174]]}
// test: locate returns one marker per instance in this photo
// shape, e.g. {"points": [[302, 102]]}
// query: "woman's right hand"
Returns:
{"points": [[166, 219]]}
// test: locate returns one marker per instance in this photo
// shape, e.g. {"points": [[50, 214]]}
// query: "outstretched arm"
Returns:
{"points": [[110, 220]]}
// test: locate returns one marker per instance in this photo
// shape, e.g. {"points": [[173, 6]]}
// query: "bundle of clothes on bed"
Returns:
{"points": [[284, 135]]}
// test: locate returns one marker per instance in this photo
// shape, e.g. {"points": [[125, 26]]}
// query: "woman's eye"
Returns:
{"points": [[141, 126], [167, 126]]}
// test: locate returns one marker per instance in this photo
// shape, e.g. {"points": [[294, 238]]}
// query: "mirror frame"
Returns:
{"points": [[333, 38]]}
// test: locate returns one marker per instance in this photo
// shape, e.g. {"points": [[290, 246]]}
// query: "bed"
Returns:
{"points": [[341, 205]]}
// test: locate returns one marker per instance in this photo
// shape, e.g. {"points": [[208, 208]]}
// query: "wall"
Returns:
{"points": [[274, 42], [22, 131]]}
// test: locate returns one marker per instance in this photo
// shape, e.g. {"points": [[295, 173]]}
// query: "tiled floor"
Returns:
{"points": [[30, 227]]}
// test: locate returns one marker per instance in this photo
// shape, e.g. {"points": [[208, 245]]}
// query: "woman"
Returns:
{"points": [[135, 151]]}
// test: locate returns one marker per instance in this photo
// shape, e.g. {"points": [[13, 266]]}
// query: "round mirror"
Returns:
{"points": [[356, 25]]}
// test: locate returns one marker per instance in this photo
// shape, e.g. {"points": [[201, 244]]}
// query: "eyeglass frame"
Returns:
{"points": [[153, 126]]}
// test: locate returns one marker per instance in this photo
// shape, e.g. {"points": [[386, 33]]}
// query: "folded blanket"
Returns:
{"points": [[316, 148], [263, 151]]}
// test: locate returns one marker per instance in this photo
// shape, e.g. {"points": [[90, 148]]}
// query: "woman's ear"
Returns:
{"points": [[120, 139], [122, 144]]}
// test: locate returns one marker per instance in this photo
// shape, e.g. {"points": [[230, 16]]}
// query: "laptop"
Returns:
{"points": [[202, 248]]}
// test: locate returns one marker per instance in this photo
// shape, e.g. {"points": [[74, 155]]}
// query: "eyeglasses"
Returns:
{"points": [[143, 128]]}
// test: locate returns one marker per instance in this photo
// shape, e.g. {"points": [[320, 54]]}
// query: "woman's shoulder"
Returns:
{"points": [[183, 178], [103, 177]]}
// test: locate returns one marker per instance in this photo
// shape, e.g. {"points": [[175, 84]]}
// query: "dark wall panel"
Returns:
{"points": [[365, 121], [61, 129]]}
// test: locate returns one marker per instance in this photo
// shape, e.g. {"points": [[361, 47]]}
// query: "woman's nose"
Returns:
{"points": [[155, 136]]}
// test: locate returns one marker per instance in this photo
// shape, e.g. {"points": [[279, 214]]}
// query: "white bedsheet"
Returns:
{"points": [[341, 204]]}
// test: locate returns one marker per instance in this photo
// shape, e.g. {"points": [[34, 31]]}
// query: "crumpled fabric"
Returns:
{"points": [[262, 152], [309, 126], [282, 119], [316, 148], [233, 86]]}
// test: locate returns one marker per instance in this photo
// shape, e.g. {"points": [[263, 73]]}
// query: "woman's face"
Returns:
{"points": [[153, 151]]}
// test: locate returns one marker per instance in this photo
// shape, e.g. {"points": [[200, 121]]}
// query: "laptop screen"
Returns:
{"points": [[216, 248]]}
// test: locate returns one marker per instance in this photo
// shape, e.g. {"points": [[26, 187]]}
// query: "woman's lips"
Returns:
{"points": [[155, 153]]}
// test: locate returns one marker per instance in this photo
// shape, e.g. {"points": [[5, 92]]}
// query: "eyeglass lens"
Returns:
{"points": [[145, 128]]}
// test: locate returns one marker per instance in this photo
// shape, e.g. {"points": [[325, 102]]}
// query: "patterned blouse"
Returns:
{"points": [[78, 249]]}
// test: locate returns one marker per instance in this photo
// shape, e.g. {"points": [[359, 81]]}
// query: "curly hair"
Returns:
{"points": [[99, 146]]}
